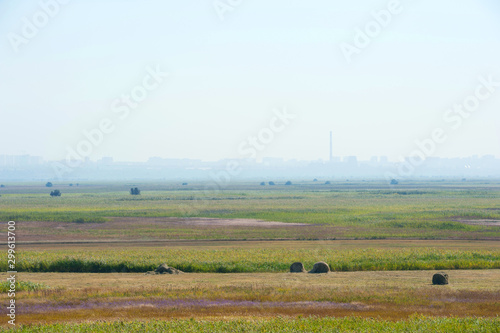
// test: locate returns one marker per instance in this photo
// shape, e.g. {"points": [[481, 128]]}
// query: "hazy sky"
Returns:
{"points": [[232, 65]]}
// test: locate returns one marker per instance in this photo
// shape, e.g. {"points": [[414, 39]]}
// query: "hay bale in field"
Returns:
{"points": [[164, 269], [297, 267], [440, 278], [161, 269], [172, 270], [320, 267]]}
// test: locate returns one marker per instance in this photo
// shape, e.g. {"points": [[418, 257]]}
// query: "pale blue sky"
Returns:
{"points": [[227, 76]]}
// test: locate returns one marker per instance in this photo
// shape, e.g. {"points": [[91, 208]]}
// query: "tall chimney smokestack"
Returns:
{"points": [[331, 147]]}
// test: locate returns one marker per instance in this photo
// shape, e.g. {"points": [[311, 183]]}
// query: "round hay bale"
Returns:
{"points": [[171, 270], [163, 268], [297, 267], [320, 267], [440, 278]]}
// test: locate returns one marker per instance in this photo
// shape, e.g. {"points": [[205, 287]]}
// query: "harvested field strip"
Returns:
{"points": [[182, 303], [241, 260], [385, 295]]}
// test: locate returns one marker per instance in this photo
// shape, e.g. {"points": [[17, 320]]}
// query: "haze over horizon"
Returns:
{"points": [[262, 79]]}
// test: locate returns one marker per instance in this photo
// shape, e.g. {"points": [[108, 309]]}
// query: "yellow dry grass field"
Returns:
{"points": [[460, 280], [389, 295]]}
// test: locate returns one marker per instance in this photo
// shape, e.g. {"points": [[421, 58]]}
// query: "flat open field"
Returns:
{"points": [[342, 210], [82, 257], [386, 295]]}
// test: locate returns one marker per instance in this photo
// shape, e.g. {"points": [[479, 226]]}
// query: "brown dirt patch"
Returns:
{"points": [[141, 228], [119, 222], [481, 222], [215, 222]]}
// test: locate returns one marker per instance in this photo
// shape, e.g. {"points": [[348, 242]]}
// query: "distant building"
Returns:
{"points": [[20, 160]]}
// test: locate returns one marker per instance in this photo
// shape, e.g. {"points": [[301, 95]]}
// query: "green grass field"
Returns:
{"points": [[366, 210], [246, 260], [418, 324]]}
